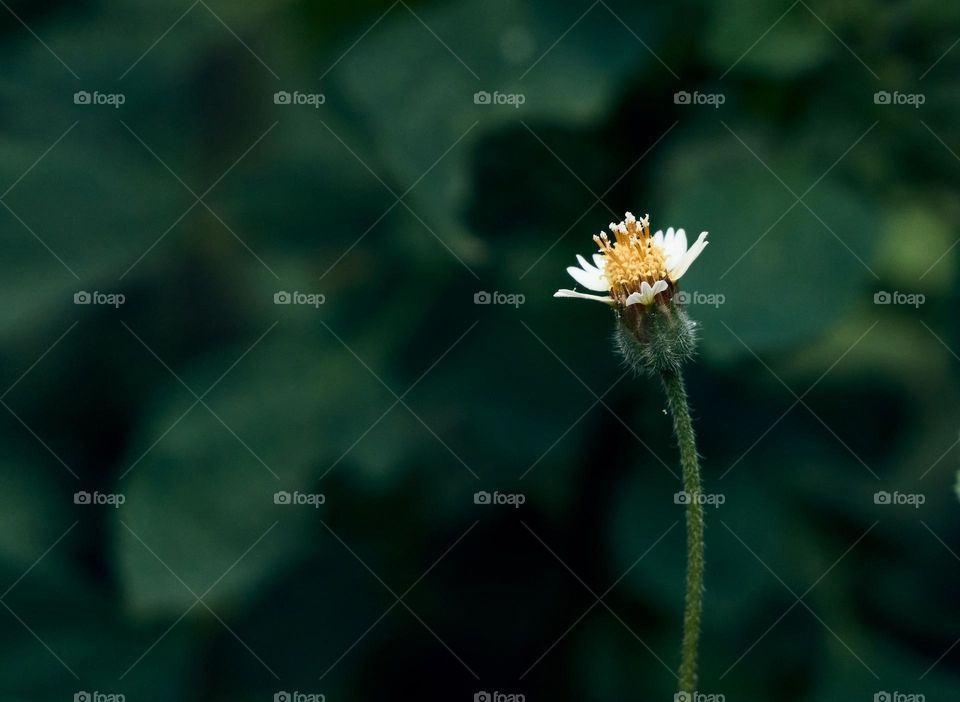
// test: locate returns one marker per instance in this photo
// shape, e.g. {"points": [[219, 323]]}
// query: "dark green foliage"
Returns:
{"points": [[808, 398]]}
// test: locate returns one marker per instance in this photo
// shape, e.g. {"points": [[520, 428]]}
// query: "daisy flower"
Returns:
{"points": [[636, 266], [638, 272]]}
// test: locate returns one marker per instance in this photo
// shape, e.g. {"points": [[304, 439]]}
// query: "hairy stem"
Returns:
{"points": [[683, 427]]}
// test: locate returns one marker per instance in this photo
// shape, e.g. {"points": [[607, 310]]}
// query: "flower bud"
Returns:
{"points": [[655, 338]]}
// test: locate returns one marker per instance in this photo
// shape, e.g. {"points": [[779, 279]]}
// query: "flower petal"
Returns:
{"points": [[680, 242], [689, 257], [583, 296], [586, 265], [668, 238], [591, 280], [647, 293], [676, 250]]}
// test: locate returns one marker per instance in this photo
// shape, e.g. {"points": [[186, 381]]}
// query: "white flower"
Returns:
{"points": [[636, 267]]}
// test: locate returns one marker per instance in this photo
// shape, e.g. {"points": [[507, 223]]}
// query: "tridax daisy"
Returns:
{"points": [[654, 335], [636, 267]]}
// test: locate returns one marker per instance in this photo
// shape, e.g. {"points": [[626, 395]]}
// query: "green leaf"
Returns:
{"points": [[775, 272], [204, 494], [428, 70], [748, 37]]}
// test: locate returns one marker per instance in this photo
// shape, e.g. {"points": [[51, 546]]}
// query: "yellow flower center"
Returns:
{"points": [[632, 258]]}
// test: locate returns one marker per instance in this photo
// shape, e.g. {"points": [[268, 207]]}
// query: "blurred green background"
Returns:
{"points": [[398, 199]]}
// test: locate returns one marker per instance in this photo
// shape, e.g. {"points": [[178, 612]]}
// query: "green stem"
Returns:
{"points": [[683, 427]]}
